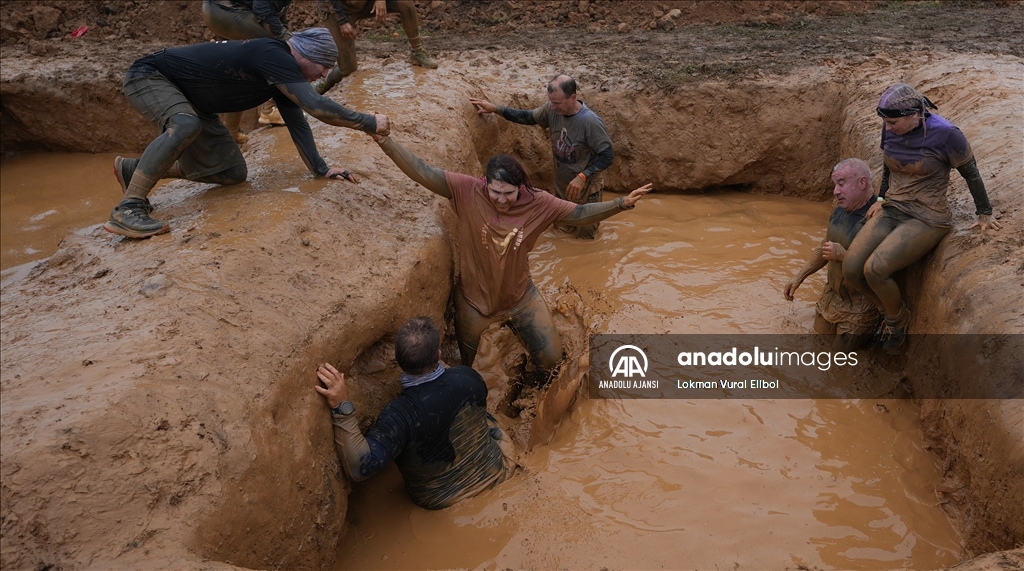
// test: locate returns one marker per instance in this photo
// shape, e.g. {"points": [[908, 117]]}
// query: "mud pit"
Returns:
{"points": [[157, 409]]}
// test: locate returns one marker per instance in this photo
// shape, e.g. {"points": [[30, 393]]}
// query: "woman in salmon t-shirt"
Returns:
{"points": [[500, 216]]}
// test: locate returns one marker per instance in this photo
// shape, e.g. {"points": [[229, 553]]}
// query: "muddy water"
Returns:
{"points": [[637, 484], [696, 484], [45, 196]]}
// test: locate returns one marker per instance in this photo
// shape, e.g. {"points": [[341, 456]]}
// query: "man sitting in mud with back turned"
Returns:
{"points": [[181, 90], [579, 143], [438, 430], [840, 311]]}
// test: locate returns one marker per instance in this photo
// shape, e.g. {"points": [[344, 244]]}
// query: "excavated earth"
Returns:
{"points": [[157, 398]]}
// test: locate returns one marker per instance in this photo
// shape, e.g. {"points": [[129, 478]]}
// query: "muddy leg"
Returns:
{"points": [[470, 324], [233, 24], [864, 243], [347, 63], [906, 244], [160, 155], [532, 323]]}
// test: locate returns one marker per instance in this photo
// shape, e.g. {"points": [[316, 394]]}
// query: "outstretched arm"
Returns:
{"points": [[814, 263], [332, 113], [521, 116], [587, 214], [430, 177]]}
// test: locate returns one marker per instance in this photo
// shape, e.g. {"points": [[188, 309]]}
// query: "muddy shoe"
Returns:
{"points": [[422, 59], [894, 331], [239, 137], [123, 171], [131, 219], [272, 117]]}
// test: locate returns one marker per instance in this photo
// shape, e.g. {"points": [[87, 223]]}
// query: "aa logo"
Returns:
{"points": [[628, 363]]}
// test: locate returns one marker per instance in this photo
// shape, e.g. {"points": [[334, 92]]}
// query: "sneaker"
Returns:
{"points": [[123, 171], [894, 331], [239, 137], [420, 58], [272, 117], [131, 219]]}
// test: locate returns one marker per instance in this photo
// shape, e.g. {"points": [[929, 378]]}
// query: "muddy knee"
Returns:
{"points": [[184, 127], [235, 175], [875, 273]]}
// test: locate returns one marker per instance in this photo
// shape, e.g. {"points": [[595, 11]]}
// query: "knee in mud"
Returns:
{"points": [[235, 175]]}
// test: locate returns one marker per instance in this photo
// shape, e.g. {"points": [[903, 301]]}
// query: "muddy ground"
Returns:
{"points": [[156, 402]]}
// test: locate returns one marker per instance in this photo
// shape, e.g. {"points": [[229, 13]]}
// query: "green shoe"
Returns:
{"points": [[123, 171], [419, 57], [131, 219]]}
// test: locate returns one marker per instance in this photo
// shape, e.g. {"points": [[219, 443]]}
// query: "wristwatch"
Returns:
{"points": [[344, 409]]}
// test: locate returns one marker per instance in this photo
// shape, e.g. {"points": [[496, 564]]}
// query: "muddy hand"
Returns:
{"points": [[339, 174], [985, 222], [574, 188], [483, 106], [876, 208], [380, 10], [790, 289], [335, 392], [347, 31], [637, 194], [383, 124]]}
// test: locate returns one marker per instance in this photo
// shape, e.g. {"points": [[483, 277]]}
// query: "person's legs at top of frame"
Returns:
{"points": [[191, 145], [345, 36], [230, 22]]}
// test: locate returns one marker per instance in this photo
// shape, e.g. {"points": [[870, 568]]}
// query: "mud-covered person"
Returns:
{"points": [[246, 20], [842, 312], [579, 143], [340, 17], [437, 431], [181, 90], [500, 216], [911, 216]]}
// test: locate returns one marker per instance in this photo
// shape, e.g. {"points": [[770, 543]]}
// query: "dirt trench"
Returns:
{"points": [[158, 409]]}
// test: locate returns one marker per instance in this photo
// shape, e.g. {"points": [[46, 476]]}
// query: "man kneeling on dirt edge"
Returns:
{"points": [[181, 90], [438, 431], [840, 311]]}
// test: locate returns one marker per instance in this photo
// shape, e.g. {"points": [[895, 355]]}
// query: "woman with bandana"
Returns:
{"points": [[500, 217], [911, 215]]}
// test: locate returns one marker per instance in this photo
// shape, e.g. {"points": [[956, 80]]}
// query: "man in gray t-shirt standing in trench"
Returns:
{"points": [[579, 142]]}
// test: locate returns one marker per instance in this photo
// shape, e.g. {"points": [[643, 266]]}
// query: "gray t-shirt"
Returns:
{"points": [[575, 140]]}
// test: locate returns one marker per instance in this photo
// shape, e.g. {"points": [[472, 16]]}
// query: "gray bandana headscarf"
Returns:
{"points": [[316, 45]]}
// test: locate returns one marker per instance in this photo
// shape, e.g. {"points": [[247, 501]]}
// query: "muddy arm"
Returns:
{"points": [[521, 116], [302, 136], [587, 214], [977, 187], [431, 178], [363, 456], [327, 110], [814, 263]]}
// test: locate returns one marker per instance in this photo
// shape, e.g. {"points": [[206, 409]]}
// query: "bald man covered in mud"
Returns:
{"points": [[438, 430], [181, 90], [579, 143], [841, 311]]}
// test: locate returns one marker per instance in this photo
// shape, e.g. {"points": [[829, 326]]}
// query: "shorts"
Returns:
{"points": [[855, 316], [157, 99]]}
